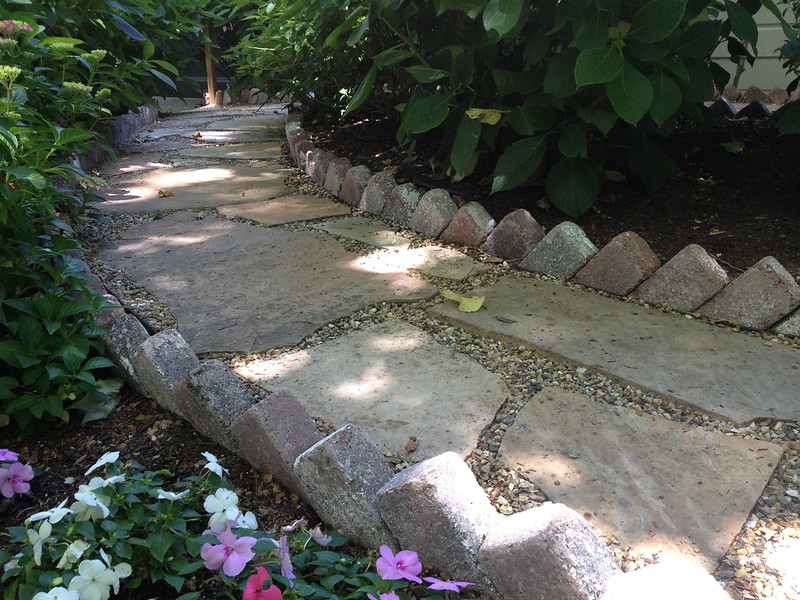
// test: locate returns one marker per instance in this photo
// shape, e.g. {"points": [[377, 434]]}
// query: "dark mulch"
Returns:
{"points": [[739, 207]]}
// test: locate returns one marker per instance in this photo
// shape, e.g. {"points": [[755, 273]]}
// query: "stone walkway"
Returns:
{"points": [[249, 264]]}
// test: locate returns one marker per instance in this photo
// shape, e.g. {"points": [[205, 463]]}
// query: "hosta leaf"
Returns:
{"points": [[630, 93], [656, 20], [598, 65], [572, 185], [519, 161]]}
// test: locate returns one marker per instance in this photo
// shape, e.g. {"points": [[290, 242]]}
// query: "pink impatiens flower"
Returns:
{"points": [[285, 560], [446, 586], [403, 565], [14, 479], [388, 596], [254, 590], [232, 553], [7, 455]]}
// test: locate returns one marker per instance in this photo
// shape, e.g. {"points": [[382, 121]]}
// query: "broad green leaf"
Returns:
{"points": [[601, 119], [572, 142], [390, 57], [533, 116], [650, 164], [128, 29], [743, 25], [515, 82], [590, 28], [699, 40], [426, 113], [630, 93], [572, 185], [363, 91], [560, 77], [61, 41], [167, 66], [346, 25], [462, 70], [163, 77], [598, 65], [700, 86], [502, 15], [466, 140], [465, 303], [472, 8], [34, 177], [159, 543], [790, 120], [734, 146], [677, 67], [667, 97], [656, 20], [378, 7], [518, 162], [9, 140], [426, 74], [490, 116], [646, 52]]}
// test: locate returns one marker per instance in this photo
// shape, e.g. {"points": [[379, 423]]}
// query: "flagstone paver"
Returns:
{"points": [[286, 209], [232, 136], [433, 261], [250, 151], [658, 486], [238, 287], [200, 186], [133, 163], [259, 123], [363, 229], [387, 380], [712, 369]]}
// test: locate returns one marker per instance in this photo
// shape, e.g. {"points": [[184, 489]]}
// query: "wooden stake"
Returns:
{"points": [[211, 76]]}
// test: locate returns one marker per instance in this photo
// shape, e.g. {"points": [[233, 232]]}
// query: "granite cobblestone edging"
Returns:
{"points": [[435, 507], [764, 298]]}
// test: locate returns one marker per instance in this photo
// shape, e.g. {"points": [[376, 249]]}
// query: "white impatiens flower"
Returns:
{"points": [[57, 593], [13, 563], [222, 506], [37, 539], [54, 515], [106, 459], [247, 521], [213, 464], [95, 579], [72, 554], [171, 496], [90, 505]]}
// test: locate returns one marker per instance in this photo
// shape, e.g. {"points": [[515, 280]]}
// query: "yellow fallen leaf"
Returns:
{"points": [[465, 303], [197, 135], [164, 193], [490, 116]]}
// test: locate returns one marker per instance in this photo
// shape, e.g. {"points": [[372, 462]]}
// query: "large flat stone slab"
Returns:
{"points": [[286, 209], [717, 371], [387, 380], [434, 261], [133, 163], [658, 486], [200, 186], [252, 151], [241, 288], [258, 123], [369, 231], [233, 136]]}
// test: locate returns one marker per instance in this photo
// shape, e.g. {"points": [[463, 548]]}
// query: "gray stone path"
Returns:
{"points": [[714, 370], [249, 151], [387, 379], [656, 485], [286, 209]]}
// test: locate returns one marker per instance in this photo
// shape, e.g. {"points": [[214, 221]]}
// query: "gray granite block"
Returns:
{"points": [[293, 137], [562, 253], [380, 188], [273, 433], [433, 214], [212, 397], [470, 226], [671, 580], [758, 298], [161, 363], [317, 164], [341, 474], [399, 207], [124, 337], [302, 150], [546, 553], [620, 266], [337, 171], [790, 325], [514, 237], [684, 282], [354, 184], [438, 509]]}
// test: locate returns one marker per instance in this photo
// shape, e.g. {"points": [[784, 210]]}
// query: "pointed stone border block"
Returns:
{"points": [[438, 509], [758, 298], [380, 188], [212, 398], [549, 552], [303, 150], [514, 237], [433, 214], [562, 252], [400, 207], [337, 171], [470, 227], [790, 325], [684, 282], [317, 164], [293, 137], [354, 184], [671, 580], [124, 338], [161, 363], [342, 474], [620, 266], [273, 433]]}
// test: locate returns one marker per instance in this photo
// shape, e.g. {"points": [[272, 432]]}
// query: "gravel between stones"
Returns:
{"points": [[746, 570]]}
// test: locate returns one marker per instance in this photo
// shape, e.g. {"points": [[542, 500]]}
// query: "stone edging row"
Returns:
{"points": [[435, 507], [765, 297]]}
